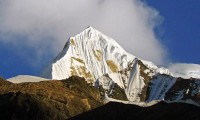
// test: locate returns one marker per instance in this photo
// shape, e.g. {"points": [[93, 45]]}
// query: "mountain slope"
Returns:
{"points": [[63, 99], [48, 99], [4, 82], [20, 106]]}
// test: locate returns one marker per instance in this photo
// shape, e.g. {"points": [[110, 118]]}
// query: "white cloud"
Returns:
{"points": [[185, 70], [47, 24]]}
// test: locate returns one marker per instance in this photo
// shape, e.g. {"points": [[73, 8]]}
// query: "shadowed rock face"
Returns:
{"points": [[160, 111], [53, 100], [185, 89], [22, 106]]}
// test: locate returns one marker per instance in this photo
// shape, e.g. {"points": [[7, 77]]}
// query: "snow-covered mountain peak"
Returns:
{"points": [[92, 35], [89, 54], [103, 62]]}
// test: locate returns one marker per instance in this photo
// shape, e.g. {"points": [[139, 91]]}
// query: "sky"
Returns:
{"points": [[32, 33], [180, 28]]}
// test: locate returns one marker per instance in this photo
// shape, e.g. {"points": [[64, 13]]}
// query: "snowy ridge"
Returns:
{"points": [[103, 62], [142, 104], [156, 69], [185, 70], [26, 78]]}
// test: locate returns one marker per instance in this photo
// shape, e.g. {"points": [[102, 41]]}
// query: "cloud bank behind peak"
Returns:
{"points": [[48, 24]]}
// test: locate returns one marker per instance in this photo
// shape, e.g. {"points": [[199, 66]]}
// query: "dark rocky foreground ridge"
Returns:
{"points": [[48, 100], [75, 99], [159, 111]]}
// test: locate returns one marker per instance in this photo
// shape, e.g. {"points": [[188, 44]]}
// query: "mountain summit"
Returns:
{"points": [[91, 55], [103, 62]]}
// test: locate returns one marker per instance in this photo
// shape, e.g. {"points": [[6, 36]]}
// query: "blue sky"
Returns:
{"points": [[179, 34], [180, 30]]}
